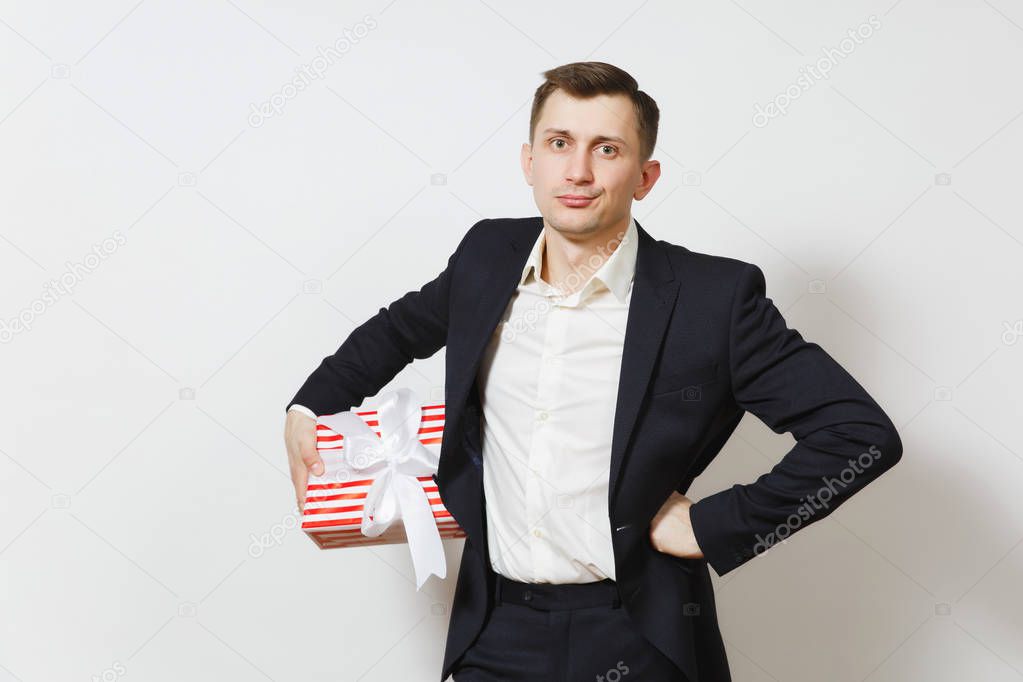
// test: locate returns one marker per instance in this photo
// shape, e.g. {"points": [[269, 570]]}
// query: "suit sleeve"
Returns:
{"points": [[414, 326], [844, 440]]}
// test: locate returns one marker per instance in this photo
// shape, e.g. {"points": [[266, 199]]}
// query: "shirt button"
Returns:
{"points": [[542, 416], [537, 532]]}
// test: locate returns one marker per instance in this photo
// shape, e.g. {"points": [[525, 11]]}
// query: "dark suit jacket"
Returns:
{"points": [[703, 344]]}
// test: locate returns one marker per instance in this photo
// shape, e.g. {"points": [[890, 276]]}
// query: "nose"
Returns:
{"points": [[580, 170]]}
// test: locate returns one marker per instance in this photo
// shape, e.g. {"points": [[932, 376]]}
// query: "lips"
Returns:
{"points": [[575, 200]]}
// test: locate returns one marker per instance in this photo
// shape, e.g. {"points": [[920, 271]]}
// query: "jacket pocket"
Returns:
{"points": [[683, 378]]}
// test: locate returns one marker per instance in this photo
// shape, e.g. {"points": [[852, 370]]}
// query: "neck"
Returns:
{"points": [[569, 259]]}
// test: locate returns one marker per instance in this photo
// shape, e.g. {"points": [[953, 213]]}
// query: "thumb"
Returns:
{"points": [[312, 459]]}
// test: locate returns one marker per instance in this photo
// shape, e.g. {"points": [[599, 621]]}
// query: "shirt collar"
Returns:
{"points": [[616, 273]]}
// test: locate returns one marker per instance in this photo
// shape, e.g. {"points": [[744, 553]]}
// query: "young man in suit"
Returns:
{"points": [[592, 373]]}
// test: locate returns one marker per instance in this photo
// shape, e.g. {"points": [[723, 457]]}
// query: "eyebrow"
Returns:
{"points": [[598, 138]]}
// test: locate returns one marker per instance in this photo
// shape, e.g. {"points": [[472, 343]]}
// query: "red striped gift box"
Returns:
{"points": [[332, 515]]}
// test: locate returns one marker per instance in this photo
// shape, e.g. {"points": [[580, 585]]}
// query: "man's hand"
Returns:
{"points": [[671, 532], [300, 439]]}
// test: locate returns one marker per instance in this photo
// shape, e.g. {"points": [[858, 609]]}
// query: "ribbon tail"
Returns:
{"points": [[382, 505], [424, 540]]}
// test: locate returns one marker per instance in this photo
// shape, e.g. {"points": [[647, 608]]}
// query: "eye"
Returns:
{"points": [[614, 150], [556, 140]]}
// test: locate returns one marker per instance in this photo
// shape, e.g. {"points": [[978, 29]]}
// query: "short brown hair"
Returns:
{"points": [[589, 79]]}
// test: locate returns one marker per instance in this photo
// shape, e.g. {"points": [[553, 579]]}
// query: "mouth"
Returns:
{"points": [[576, 200]]}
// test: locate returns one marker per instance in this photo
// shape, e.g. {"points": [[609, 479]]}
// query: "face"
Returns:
{"points": [[584, 163]]}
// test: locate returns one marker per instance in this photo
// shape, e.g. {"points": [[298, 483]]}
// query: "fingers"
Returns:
{"points": [[299, 477], [311, 462], [303, 458], [311, 457]]}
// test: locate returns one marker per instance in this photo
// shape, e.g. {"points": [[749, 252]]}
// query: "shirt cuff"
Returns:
{"points": [[303, 409]]}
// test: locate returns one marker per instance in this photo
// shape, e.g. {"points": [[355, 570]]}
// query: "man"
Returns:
{"points": [[592, 373]]}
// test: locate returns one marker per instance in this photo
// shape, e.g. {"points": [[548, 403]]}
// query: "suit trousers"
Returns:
{"points": [[561, 633]]}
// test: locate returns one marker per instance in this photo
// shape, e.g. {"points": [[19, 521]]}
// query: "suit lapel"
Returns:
{"points": [[655, 288], [495, 294]]}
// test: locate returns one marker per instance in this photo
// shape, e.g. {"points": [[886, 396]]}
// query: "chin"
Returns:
{"points": [[576, 224]]}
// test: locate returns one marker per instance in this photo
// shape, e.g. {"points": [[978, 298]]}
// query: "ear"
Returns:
{"points": [[526, 159], [651, 172]]}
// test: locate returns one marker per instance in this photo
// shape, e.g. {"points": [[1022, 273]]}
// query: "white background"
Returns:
{"points": [[141, 450]]}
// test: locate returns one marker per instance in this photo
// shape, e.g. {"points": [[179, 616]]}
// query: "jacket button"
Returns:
{"points": [[527, 595]]}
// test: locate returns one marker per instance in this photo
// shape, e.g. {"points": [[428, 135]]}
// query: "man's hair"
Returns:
{"points": [[589, 79]]}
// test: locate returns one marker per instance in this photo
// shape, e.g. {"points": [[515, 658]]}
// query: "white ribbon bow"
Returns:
{"points": [[394, 460]]}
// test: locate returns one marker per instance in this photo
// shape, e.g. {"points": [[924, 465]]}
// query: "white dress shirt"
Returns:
{"points": [[548, 387]]}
